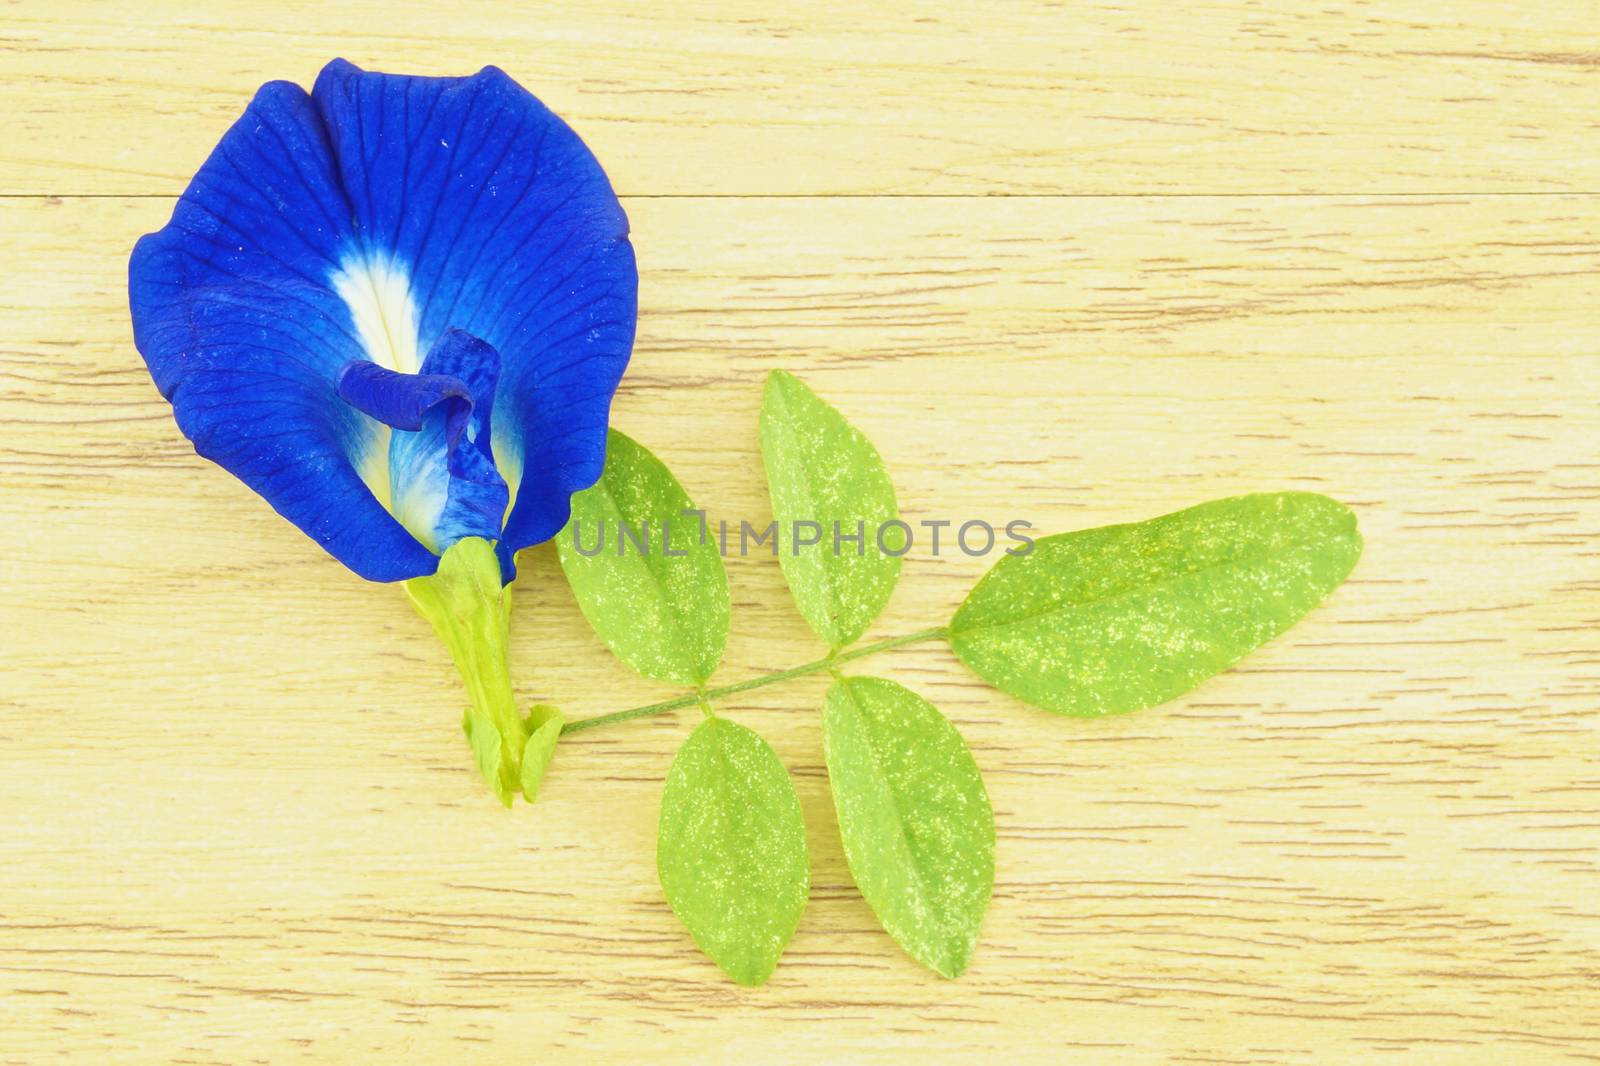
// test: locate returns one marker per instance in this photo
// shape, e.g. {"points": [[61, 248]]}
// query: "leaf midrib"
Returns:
{"points": [[652, 565], [1129, 593], [782, 419], [901, 835]]}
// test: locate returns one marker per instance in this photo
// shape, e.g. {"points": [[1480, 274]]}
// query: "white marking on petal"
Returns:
{"points": [[507, 459], [420, 473], [372, 465], [377, 289]]}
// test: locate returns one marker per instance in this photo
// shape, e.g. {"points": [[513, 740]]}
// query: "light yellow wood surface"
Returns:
{"points": [[237, 819], [841, 96]]}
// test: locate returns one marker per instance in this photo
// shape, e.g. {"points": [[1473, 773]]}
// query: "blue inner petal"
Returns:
{"points": [[442, 481]]}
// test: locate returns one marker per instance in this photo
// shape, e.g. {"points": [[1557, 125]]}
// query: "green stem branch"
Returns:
{"points": [[829, 662]]}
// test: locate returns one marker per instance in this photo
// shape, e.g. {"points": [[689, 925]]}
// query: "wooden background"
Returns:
{"points": [[1073, 263]]}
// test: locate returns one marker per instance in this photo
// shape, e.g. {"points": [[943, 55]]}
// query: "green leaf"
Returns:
{"points": [[662, 610], [1110, 620], [821, 470], [916, 823], [731, 849]]}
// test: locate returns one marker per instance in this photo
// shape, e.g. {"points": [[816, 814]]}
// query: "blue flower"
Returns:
{"points": [[397, 308]]}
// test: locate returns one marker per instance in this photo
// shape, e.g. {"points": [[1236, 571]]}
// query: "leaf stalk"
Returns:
{"points": [[832, 661]]}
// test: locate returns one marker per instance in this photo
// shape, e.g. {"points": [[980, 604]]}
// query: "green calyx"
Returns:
{"points": [[471, 611]]}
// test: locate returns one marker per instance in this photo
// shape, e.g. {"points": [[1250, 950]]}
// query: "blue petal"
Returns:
{"points": [[235, 317], [441, 467], [510, 231], [365, 222], [401, 401]]}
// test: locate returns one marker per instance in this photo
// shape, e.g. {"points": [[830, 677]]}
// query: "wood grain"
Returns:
{"points": [[1113, 96], [237, 819]]}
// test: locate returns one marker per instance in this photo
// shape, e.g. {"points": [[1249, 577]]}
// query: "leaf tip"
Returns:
{"points": [[781, 385], [750, 978]]}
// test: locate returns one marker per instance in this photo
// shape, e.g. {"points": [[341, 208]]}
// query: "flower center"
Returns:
{"points": [[438, 482]]}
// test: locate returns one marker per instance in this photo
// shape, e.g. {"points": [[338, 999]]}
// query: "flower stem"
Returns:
{"points": [[831, 661], [471, 612]]}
